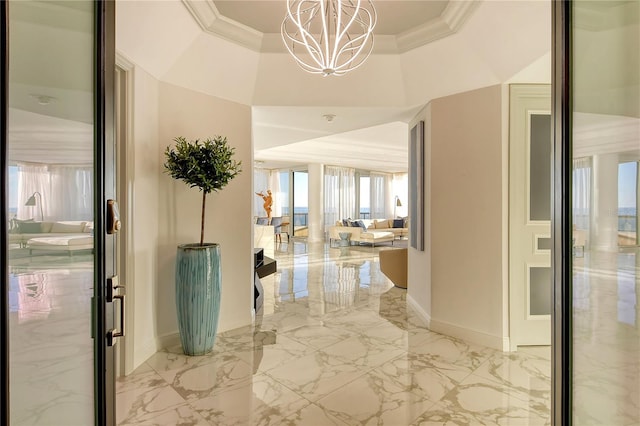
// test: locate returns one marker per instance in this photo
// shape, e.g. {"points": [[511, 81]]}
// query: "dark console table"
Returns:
{"points": [[263, 266]]}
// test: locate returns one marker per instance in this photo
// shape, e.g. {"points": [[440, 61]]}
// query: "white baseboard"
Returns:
{"points": [[144, 352], [472, 336], [167, 340], [415, 307]]}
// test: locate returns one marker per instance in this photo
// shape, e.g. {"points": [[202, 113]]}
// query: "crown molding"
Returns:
{"points": [[212, 21], [449, 22]]}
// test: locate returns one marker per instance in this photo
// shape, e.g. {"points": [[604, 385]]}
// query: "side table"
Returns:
{"points": [[345, 239]]}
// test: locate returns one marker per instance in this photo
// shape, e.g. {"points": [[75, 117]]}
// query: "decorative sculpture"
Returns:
{"points": [[268, 202]]}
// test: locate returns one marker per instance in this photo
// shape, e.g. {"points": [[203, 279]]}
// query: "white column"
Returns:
{"points": [[316, 203], [604, 225]]}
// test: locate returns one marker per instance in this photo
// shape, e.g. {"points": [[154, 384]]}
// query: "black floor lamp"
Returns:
{"points": [[32, 202]]}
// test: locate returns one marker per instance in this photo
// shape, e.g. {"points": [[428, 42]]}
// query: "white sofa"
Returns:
{"points": [[360, 235], [66, 236], [388, 225]]}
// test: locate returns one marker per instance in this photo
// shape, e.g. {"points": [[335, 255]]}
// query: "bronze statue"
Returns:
{"points": [[268, 202]]}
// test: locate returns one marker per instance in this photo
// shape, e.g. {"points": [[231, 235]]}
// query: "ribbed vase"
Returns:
{"points": [[198, 296]]}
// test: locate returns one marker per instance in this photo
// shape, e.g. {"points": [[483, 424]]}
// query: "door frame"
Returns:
{"points": [[4, 208], [125, 166], [525, 101], [104, 162], [561, 227], [104, 60]]}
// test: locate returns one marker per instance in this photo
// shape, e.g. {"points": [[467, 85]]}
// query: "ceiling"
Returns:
{"points": [[394, 17], [365, 138], [424, 49]]}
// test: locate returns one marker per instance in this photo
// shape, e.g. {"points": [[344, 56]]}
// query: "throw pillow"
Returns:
{"points": [[361, 225], [354, 224], [398, 223], [29, 227], [15, 225], [345, 222]]}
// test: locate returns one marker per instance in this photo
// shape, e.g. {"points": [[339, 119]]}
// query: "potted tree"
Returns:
{"points": [[208, 166]]}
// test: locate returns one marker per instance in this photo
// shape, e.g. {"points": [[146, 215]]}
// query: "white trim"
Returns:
{"points": [[452, 19], [212, 21], [125, 165], [166, 341], [415, 306], [536, 244], [473, 336], [145, 351], [123, 62]]}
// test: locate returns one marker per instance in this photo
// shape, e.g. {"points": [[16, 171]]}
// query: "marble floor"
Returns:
{"points": [[335, 344], [606, 338], [50, 345]]}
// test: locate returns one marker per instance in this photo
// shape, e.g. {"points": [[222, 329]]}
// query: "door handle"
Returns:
{"points": [[113, 287], [113, 217]]}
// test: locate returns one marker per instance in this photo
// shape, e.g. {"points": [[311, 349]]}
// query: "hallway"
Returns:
{"points": [[337, 345]]}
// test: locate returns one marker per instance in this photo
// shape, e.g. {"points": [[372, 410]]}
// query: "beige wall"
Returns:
{"points": [[164, 212], [228, 214], [467, 216], [419, 262], [141, 219]]}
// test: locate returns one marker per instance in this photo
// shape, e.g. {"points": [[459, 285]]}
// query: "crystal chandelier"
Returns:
{"points": [[329, 37]]}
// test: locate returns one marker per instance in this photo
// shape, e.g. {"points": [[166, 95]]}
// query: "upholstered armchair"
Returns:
{"points": [[276, 222]]}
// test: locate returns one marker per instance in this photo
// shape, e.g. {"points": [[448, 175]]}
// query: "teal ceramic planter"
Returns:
{"points": [[198, 296]]}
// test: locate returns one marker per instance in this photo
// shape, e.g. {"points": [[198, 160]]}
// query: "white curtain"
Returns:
{"points": [[260, 184], [339, 194], [582, 192], [401, 190], [276, 192], [381, 195], [267, 180], [64, 192]]}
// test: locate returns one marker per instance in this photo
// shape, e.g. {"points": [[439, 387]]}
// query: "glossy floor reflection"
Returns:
{"points": [[51, 350], [336, 345], [606, 339]]}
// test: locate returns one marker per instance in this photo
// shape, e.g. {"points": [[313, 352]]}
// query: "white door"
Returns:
{"points": [[530, 278]]}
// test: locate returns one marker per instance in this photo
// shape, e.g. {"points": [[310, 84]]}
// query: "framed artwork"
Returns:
{"points": [[416, 187]]}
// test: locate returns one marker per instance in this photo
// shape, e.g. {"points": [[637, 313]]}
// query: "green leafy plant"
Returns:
{"points": [[208, 166]]}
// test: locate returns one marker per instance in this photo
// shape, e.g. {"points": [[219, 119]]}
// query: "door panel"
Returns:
{"points": [[602, 362], [530, 216], [56, 135]]}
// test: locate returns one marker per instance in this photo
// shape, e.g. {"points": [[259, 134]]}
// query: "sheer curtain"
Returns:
{"points": [[401, 190], [381, 199], [278, 198], [66, 192], [582, 194], [260, 184], [339, 194], [263, 181]]}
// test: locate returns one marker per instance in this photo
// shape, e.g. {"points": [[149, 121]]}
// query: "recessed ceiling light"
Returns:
{"points": [[43, 99], [329, 117]]}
